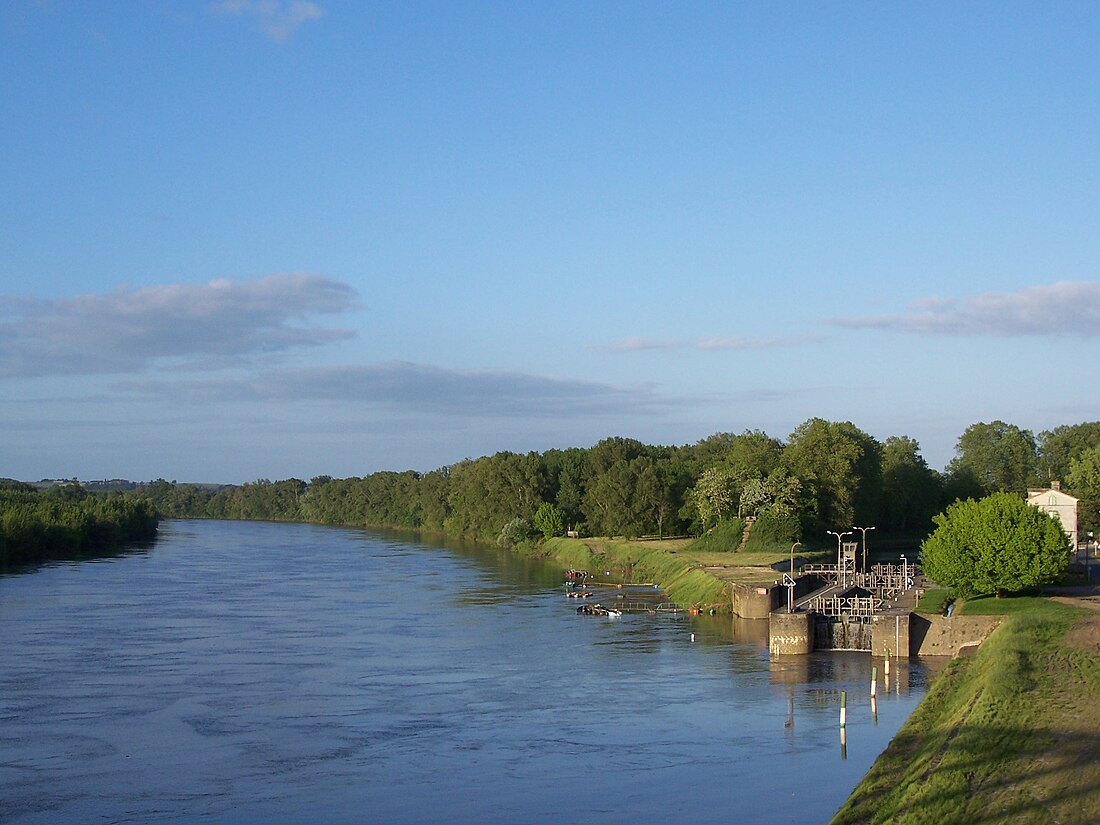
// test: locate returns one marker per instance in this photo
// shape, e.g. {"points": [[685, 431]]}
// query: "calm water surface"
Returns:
{"points": [[250, 672]]}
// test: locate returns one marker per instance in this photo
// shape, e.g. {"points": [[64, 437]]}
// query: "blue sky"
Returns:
{"points": [[271, 238]]}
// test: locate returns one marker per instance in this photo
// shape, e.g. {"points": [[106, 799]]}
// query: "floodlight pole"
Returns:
{"points": [[864, 530], [840, 564]]}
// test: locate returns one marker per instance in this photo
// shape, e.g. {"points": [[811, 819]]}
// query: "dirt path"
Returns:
{"points": [[1085, 635]]}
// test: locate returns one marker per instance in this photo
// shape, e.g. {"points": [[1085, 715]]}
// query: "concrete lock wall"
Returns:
{"points": [[758, 602], [950, 635], [790, 633], [754, 602], [890, 635]]}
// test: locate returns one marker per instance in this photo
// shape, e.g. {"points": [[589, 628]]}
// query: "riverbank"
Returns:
{"points": [[692, 579], [1006, 735]]}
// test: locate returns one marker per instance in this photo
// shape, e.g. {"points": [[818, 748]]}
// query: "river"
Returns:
{"points": [[242, 672]]}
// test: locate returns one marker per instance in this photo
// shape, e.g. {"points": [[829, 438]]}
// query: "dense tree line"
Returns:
{"points": [[826, 475], [67, 520]]}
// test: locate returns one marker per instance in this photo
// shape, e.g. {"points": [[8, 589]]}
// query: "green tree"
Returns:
{"points": [[911, 491], [1083, 481], [661, 489], [1058, 448], [840, 468], [565, 471], [998, 456], [996, 544], [777, 494], [488, 492], [753, 454], [549, 520], [714, 496], [516, 531], [613, 502]]}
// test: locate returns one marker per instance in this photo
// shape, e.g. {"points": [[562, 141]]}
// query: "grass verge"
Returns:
{"points": [[1008, 735]]}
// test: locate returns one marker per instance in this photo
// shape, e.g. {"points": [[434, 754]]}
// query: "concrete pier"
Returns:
{"points": [[790, 633], [758, 601], [890, 634]]}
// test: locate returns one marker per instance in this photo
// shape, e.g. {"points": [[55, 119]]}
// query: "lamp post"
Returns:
{"points": [[864, 531], [1088, 544], [840, 570]]}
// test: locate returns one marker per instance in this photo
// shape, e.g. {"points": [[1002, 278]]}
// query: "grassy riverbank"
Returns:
{"points": [[1006, 736], [690, 578]]}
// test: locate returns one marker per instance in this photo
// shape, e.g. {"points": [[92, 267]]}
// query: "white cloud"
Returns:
{"points": [[130, 330], [716, 343], [1061, 308], [278, 19]]}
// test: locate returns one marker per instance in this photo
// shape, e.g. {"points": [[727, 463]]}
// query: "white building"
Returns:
{"points": [[1059, 505]]}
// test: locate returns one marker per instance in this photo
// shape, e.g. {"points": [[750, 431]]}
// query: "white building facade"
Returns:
{"points": [[1059, 505]]}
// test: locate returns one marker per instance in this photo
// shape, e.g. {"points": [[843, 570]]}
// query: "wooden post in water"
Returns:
{"points": [[843, 709], [874, 681]]}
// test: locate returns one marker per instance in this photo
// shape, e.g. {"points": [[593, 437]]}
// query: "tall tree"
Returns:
{"points": [[911, 490], [614, 504], [753, 454], [1060, 446], [714, 496], [565, 471], [1083, 481], [840, 469], [999, 456], [996, 544]]}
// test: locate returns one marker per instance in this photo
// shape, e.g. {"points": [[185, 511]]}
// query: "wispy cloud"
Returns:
{"points": [[1061, 308], [736, 342], [418, 388], [130, 330], [278, 19]]}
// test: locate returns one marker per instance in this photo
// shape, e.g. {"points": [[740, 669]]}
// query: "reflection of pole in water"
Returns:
{"points": [[843, 743], [789, 724], [874, 709]]}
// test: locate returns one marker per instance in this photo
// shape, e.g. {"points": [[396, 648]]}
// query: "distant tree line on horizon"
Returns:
{"points": [[826, 475], [67, 521]]}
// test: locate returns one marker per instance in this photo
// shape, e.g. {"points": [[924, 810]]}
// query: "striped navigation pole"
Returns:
{"points": [[843, 723], [874, 698]]}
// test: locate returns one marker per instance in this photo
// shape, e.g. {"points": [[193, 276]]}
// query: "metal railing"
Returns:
{"points": [[855, 606]]}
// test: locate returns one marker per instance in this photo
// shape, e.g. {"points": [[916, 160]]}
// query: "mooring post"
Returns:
{"points": [[843, 708], [874, 681]]}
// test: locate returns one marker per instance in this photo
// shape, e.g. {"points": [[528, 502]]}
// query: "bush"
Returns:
{"points": [[724, 537], [517, 531], [771, 533]]}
